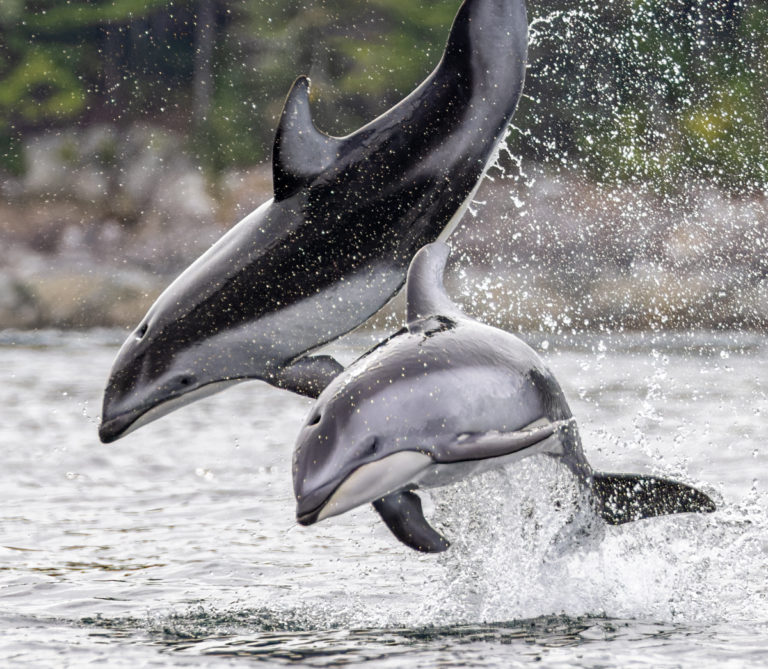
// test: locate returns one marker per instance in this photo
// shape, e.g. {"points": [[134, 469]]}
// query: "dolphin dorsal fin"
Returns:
{"points": [[425, 292], [301, 151]]}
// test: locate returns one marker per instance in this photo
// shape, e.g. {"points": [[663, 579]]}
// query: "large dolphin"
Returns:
{"points": [[334, 244], [444, 398]]}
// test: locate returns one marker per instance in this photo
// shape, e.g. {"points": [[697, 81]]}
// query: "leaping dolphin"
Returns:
{"points": [[333, 245], [445, 398]]}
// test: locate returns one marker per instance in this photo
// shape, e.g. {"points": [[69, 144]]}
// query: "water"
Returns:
{"points": [[177, 546]]}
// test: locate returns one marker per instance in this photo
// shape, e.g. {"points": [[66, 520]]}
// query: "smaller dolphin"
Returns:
{"points": [[444, 398]]}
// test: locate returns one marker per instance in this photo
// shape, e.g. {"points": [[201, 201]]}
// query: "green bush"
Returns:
{"points": [[649, 91]]}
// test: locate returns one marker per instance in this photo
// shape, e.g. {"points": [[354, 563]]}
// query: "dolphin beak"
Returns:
{"points": [[111, 430], [365, 484], [308, 507], [117, 414], [115, 426]]}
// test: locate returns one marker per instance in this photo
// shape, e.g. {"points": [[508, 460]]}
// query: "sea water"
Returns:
{"points": [[177, 545]]}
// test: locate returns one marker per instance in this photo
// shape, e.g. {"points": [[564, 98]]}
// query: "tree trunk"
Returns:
{"points": [[205, 40]]}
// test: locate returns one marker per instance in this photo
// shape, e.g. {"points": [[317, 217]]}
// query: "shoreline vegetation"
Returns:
{"points": [[103, 221], [632, 193]]}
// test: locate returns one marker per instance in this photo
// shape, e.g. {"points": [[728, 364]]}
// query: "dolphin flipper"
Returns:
{"points": [[622, 498], [402, 513], [485, 445], [310, 375]]}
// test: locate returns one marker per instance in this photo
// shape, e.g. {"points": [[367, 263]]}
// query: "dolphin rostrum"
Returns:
{"points": [[333, 245], [445, 398]]}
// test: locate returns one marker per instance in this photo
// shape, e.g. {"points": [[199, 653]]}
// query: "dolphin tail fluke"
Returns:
{"points": [[402, 513], [622, 498]]}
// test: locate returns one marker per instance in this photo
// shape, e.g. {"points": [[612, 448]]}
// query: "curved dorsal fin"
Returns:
{"points": [[301, 151], [425, 292]]}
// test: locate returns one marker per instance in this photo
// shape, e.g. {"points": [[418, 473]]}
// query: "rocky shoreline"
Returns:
{"points": [[102, 221]]}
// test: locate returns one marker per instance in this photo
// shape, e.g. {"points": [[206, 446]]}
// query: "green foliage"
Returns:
{"points": [[653, 91], [10, 11], [644, 90], [41, 87], [53, 16], [410, 46], [362, 57], [10, 153]]}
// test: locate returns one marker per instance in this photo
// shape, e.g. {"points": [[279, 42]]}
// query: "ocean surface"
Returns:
{"points": [[177, 545]]}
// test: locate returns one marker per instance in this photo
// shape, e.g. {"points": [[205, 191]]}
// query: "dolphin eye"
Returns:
{"points": [[142, 331], [315, 420], [373, 446], [185, 381]]}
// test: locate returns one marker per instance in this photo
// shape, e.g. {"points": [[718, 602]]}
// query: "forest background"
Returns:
{"points": [[632, 192]]}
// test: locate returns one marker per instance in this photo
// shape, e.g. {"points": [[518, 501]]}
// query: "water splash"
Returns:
{"points": [[526, 547]]}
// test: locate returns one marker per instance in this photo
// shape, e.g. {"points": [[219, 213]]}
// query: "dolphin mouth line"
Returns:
{"points": [[406, 469], [310, 517], [132, 419], [120, 425], [369, 482]]}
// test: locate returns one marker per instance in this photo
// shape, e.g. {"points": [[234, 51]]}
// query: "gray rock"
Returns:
{"points": [[18, 307], [125, 174]]}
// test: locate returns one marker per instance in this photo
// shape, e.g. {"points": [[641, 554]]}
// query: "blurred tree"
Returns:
{"points": [[652, 91], [205, 41], [85, 60], [362, 58]]}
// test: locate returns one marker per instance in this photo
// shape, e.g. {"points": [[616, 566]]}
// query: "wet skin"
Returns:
{"points": [[443, 399], [334, 244]]}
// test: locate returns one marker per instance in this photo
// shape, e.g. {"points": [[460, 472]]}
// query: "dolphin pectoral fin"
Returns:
{"points": [[622, 498], [301, 151], [402, 513], [309, 376], [485, 445]]}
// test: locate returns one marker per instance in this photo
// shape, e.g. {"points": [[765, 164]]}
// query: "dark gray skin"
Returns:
{"points": [[443, 398], [334, 244]]}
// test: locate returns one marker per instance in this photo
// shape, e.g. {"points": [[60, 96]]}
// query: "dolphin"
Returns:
{"points": [[444, 398], [333, 245]]}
